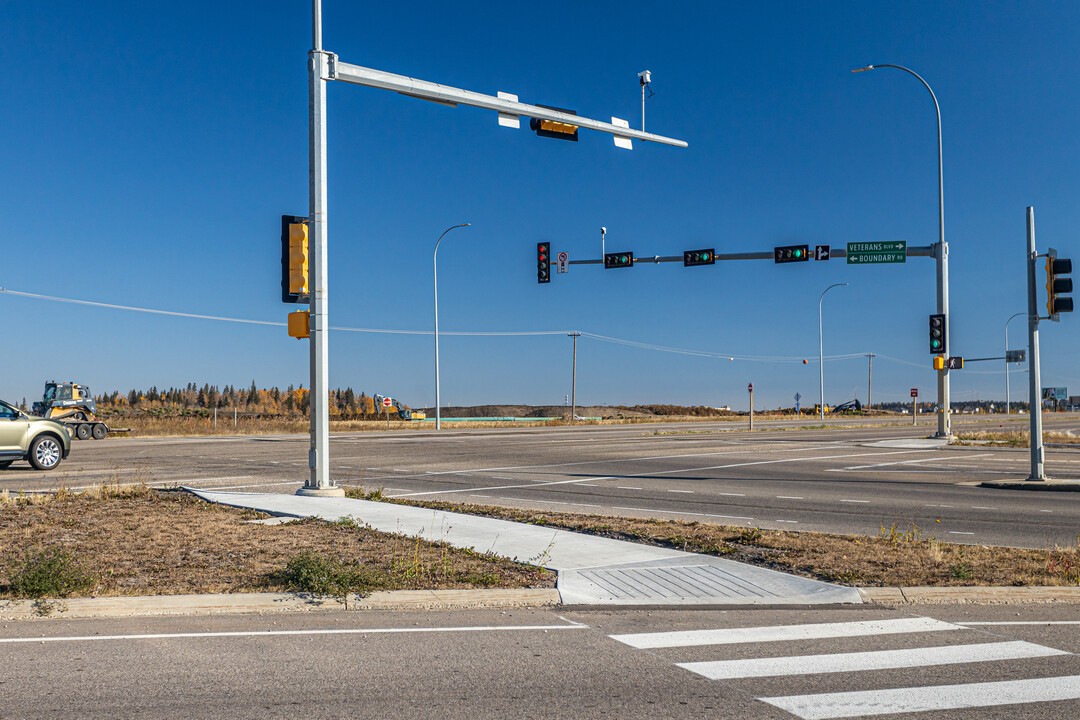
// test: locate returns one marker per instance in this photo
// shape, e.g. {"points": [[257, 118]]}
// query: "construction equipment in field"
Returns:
{"points": [[73, 406]]}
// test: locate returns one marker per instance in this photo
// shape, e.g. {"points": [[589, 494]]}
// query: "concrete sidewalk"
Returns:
{"points": [[592, 570]]}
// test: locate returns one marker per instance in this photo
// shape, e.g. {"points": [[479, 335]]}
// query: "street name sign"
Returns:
{"points": [[873, 253]]}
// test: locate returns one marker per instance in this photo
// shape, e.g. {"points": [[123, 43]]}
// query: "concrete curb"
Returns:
{"points": [[1043, 485], [961, 595], [242, 603]]}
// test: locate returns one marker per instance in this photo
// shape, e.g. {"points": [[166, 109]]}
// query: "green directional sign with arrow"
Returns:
{"points": [[872, 253]]}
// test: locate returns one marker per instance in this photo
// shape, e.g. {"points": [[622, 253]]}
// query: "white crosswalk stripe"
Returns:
{"points": [[876, 660], [866, 702], [922, 699], [778, 633]]}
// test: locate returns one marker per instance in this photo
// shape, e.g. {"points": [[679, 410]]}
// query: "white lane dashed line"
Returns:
{"points": [[549, 502], [958, 532], [854, 501], [449, 491], [786, 521], [620, 487], [677, 512], [689, 492], [980, 507], [788, 497], [940, 506], [732, 494], [1046, 511], [586, 485]]}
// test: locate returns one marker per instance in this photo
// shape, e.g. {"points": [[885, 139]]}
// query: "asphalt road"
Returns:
{"points": [[854, 480], [756, 663]]}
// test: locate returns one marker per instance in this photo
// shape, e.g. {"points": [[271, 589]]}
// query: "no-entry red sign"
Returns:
{"points": [[386, 402]]}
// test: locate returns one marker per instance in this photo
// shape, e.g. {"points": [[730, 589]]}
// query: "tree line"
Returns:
{"points": [[252, 400]]}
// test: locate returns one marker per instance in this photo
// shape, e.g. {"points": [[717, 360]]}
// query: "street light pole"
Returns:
{"points": [[573, 380], [941, 252], [1007, 400], [435, 269], [821, 350], [869, 380]]}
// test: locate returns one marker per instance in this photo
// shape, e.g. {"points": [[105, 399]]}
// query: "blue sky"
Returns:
{"points": [[150, 149]]}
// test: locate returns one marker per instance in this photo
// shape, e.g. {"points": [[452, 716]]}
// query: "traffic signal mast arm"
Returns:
{"points": [[506, 107], [921, 251]]}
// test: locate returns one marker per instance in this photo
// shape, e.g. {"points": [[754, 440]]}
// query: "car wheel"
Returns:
{"points": [[45, 452], [100, 431], [82, 431], [5, 463]]}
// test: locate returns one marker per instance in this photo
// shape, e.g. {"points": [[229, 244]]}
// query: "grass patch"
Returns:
{"points": [[1014, 438], [901, 555], [137, 541]]}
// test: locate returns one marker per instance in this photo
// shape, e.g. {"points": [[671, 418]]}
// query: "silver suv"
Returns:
{"points": [[43, 443]]}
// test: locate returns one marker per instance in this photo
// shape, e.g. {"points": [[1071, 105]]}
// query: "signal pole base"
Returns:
{"points": [[321, 492]]}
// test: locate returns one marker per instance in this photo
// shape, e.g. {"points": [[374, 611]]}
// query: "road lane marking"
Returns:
{"points": [[909, 462], [620, 487], [264, 633], [690, 492], [732, 494], [854, 501], [549, 502], [922, 699], [680, 512], [788, 497], [634, 475], [958, 532], [777, 633], [980, 507], [871, 660], [786, 521]]}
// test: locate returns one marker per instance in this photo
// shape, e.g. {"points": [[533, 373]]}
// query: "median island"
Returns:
{"points": [[138, 541]]}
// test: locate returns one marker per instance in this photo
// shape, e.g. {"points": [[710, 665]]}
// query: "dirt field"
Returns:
{"points": [[142, 542]]}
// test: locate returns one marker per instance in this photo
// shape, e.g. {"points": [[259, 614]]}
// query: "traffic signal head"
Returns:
{"points": [[553, 129], [791, 253], [299, 324], [543, 262], [1057, 284], [294, 259], [698, 257], [618, 260], [937, 334]]}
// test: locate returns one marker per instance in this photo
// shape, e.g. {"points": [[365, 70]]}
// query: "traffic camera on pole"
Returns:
{"points": [[698, 257], [1056, 284], [294, 259], [618, 260], [543, 262], [937, 334], [791, 253]]}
